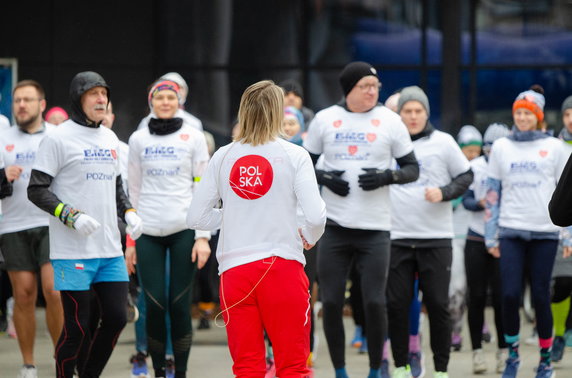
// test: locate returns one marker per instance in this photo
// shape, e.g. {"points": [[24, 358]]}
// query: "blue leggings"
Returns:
{"points": [[538, 256], [414, 310]]}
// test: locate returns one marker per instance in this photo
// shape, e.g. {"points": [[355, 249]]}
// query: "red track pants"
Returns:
{"points": [[280, 304]]}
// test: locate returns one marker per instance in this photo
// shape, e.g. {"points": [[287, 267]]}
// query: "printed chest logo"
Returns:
{"points": [[375, 122], [184, 137], [543, 153], [251, 177], [10, 147], [337, 123]]}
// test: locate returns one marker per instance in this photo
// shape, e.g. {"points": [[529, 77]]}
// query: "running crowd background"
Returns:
{"points": [[419, 222]]}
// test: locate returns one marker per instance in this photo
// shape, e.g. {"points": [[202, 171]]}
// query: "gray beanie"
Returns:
{"points": [[567, 104], [413, 93], [495, 131]]}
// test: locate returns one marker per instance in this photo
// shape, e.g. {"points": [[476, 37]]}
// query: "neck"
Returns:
{"points": [[33, 127]]}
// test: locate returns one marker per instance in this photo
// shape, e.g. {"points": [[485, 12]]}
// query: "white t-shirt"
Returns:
{"points": [[162, 169], [4, 123], [187, 118], [479, 188], [412, 216], [260, 188], [529, 172], [84, 164], [19, 148], [352, 141]]}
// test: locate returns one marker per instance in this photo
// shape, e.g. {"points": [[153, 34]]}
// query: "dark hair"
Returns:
{"points": [[31, 83], [537, 88]]}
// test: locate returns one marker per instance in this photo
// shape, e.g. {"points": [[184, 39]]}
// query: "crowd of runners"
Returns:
{"points": [[300, 208]]}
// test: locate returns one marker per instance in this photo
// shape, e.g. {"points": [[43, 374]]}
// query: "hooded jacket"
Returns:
{"points": [[81, 83]]}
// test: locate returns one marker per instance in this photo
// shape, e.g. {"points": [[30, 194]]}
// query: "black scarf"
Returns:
{"points": [[165, 126], [425, 133]]}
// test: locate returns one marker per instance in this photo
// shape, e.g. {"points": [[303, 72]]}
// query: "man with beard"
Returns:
{"points": [[24, 227], [76, 179]]}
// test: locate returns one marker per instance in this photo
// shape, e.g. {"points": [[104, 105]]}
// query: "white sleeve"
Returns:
{"points": [[313, 142], [202, 215], [49, 156], [401, 144], [200, 163], [493, 168], [309, 199], [134, 172], [456, 162]]}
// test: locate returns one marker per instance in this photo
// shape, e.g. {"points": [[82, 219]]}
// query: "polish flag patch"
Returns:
{"points": [[79, 266]]}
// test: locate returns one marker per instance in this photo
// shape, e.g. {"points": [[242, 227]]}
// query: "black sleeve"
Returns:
{"points": [[408, 169], [314, 158], [560, 205], [123, 203], [458, 186], [6, 187], [39, 193]]}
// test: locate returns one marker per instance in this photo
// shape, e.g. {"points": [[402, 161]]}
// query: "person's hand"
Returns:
{"points": [[307, 246], [374, 178], [13, 172], [433, 195], [566, 252], [483, 203], [495, 252], [333, 181], [130, 259], [134, 224], [201, 252], [86, 225]]}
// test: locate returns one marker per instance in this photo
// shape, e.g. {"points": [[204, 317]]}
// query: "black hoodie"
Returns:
{"points": [[81, 83]]}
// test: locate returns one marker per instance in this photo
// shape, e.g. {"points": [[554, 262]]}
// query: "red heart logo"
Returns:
{"points": [[184, 137], [337, 123], [375, 122], [114, 154], [10, 147], [352, 150], [543, 153], [371, 137]]}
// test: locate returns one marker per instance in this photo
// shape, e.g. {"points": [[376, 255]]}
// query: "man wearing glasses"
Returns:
{"points": [[24, 239], [358, 139]]}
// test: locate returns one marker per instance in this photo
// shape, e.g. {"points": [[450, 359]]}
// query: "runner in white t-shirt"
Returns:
{"points": [[421, 233], [166, 162], [24, 227], [76, 179], [261, 179], [358, 139], [523, 171]]}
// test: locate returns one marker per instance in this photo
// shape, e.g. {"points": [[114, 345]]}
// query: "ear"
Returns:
{"points": [[42, 105]]}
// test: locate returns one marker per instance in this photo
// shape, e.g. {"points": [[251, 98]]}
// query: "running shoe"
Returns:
{"points": [[417, 364], [358, 337], [402, 372], [204, 323], [511, 367], [479, 363], [28, 372], [169, 368], [139, 368], [384, 368], [486, 336], [441, 374], [544, 371], [501, 357], [558, 346]]}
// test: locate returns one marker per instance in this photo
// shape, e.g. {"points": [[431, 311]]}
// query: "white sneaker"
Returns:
{"points": [[402, 372], [479, 364], [28, 372], [502, 355]]}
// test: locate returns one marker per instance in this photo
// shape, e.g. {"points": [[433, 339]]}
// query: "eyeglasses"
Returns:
{"points": [[367, 87], [26, 100]]}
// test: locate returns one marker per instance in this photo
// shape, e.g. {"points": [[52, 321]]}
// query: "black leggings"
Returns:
{"points": [[151, 256], [370, 250], [111, 298], [482, 270]]}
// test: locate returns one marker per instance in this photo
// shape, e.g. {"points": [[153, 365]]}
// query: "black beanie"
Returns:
{"points": [[354, 72], [291, 85]]}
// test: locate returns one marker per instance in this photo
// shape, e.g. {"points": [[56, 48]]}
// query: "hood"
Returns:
{"points": [[81, 83]]}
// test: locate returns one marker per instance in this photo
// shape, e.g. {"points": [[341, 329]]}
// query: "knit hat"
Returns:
{"points": [[55, 110], [567, 104], [392, 100], [495, 131], [413, 93], [161, 86], [177, 78], [354, 72], [81, 83], [469, 136], [292, 86], [532, 101], [292, 112]]}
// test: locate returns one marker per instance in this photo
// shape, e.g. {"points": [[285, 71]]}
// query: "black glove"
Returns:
{"points": [[332, 180], [374, 178]]}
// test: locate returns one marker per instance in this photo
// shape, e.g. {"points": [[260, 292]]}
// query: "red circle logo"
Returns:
{"points": [[251, 177]]}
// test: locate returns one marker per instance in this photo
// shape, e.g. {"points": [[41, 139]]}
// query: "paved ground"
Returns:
{"points": [[210, 357]]}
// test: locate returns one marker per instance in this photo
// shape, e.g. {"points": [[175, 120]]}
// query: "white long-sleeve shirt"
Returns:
{"points": [[260, 188], [162, 172]]}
